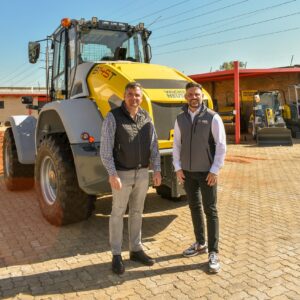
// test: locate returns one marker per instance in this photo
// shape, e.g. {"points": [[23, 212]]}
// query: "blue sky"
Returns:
{"points": [[193, 36]]}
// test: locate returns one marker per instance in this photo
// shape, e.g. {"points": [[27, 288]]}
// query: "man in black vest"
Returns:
{"points": [[198, 154], [128, 148]]}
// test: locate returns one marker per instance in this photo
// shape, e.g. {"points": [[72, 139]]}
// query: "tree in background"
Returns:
{"points": [[229, 65]]}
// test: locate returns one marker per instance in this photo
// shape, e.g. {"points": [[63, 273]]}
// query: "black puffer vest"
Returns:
{"points": [[132, 139]]}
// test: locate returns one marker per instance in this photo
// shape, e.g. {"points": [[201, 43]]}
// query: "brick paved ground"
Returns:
{"points": [[259, 194]]}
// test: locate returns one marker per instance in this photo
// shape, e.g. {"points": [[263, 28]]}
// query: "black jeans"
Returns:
{"points": [[199, 195]]}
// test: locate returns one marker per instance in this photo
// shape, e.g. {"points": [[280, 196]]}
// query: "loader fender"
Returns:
{"points": [[73, 117], [23, 128]]}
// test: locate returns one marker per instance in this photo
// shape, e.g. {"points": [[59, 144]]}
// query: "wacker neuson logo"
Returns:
{"points": [[174, 94]]}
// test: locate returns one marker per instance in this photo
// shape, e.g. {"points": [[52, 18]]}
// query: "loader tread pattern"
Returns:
{"points": [[71, 204]]}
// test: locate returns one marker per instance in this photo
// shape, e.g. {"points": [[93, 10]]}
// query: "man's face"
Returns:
{"points": [[133, 97], [194, 97]]}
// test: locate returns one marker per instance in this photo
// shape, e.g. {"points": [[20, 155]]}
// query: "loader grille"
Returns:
{"points": [[164, 115], [162, 83]]}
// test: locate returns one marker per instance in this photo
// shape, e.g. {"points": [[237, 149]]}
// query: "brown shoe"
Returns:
{"points": [[142, 257]]}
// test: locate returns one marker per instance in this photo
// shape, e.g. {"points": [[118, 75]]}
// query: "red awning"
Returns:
{"points": [[228, 74]]}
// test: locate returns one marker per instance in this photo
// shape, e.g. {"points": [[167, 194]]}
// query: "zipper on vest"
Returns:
{"points": [[139, 142], [191, 141]]}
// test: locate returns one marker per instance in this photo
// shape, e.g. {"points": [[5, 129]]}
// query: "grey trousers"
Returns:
{"points": [[134, 189]]}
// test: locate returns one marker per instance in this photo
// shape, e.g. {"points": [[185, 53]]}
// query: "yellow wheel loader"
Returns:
{"points": [[266, 123], [88, 63]]}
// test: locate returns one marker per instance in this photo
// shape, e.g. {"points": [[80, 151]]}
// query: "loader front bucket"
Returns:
{"points": [[274, 136]]}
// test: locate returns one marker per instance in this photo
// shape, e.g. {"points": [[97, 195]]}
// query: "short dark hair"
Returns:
{"points": [[133, 85], [192, 85]]}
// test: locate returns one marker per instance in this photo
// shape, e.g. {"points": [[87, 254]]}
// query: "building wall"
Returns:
{"points": [[13, 106]]}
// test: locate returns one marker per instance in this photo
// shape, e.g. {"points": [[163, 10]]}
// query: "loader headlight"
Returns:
{"points": [[85, 136]]}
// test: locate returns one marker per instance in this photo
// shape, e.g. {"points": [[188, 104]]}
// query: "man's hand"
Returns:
{"points": [[211, 179], [180, 176], [115, 182], [156, 179]]}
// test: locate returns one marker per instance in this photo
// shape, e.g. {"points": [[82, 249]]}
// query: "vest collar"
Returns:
{"points": [[126, 112], [203, 108]]}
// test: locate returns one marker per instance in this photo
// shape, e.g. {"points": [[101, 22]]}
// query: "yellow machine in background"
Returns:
{"points": [[267, 124], [261, 114], [227, 112]]}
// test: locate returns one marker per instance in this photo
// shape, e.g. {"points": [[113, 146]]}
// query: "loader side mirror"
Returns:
{"points": [[33, 51], [27, 100]]}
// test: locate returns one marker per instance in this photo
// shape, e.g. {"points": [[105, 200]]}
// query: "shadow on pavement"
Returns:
{"points": [[89, 277], [26, 237]]}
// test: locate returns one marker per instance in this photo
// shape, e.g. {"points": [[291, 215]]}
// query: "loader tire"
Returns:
{"points": [[60, 198], [17, 176]]}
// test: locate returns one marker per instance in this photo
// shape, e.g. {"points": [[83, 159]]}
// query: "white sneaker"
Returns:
{"points": [[213, 263], [194, 250]]}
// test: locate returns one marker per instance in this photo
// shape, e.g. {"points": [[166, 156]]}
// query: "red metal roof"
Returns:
{"points": [[21, 95], [228, 74]]}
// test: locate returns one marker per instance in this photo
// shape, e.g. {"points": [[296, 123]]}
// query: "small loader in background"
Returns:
{"points": [[266, 123]]}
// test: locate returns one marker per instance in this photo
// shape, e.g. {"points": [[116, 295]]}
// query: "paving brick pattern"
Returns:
{"points": [[259, 194]]}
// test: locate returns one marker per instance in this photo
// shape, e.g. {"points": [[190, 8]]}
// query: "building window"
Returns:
{"points": [[1, 104]]}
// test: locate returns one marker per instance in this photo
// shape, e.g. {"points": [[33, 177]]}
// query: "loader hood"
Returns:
{"points": [[163, 91]]}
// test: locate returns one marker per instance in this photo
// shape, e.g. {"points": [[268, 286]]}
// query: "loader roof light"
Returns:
{"points": [[81, 21], [141, 26], [113, 25], [94, 21], [66, 22]]}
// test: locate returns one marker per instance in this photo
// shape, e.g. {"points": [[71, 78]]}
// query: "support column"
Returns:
{"points": [[237, 102]]}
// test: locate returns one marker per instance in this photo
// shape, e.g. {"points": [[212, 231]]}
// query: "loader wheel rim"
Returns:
{"points": [[48, 180], [7, 160]]}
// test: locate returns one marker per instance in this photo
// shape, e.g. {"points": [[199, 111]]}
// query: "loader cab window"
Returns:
{"points": [[110, 45], [269, 100], [58, 85]]}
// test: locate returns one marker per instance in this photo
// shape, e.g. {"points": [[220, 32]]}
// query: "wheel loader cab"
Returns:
{"points": [[78, 42], [267, 103]]}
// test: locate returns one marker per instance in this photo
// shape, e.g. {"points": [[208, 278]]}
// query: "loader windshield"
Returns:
{"points": [[269, 100], [110, 45]]}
